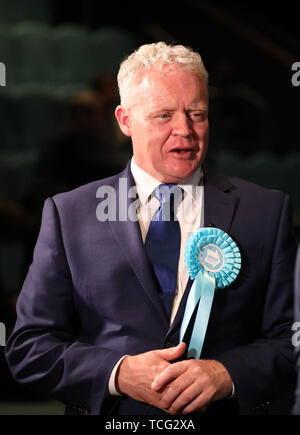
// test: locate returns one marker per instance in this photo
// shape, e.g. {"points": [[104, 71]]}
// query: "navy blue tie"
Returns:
{"points": [[163, 242]]}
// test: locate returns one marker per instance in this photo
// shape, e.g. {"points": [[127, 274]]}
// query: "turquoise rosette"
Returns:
{"points": [[221, 247], [213, 262]]}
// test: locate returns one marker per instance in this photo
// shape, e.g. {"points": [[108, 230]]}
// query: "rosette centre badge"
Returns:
{"points": [[213, 262], [212, 258]]}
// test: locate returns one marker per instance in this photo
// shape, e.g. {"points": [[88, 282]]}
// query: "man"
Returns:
{"points": [[92, 329]]}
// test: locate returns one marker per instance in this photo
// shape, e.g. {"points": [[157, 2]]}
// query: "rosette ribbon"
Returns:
{"points": [[213, 262]]}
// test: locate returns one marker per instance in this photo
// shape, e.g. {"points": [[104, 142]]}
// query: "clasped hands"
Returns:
{"points": [[179, 388]]}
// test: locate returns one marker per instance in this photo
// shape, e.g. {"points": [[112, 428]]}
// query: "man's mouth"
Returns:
{"points": [[183, 152]]}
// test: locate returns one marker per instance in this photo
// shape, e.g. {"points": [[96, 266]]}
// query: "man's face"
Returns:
{"points": [[168, 124]]}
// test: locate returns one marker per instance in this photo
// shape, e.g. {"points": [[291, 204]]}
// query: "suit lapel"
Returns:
{"points": [[128, 236], [219, 202], [219, 209]]}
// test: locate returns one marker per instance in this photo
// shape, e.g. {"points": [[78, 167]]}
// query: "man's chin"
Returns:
{"points": [[178, 176], [181, 172]]}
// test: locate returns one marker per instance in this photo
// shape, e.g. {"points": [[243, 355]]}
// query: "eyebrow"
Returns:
{"points": [[200, 108]]}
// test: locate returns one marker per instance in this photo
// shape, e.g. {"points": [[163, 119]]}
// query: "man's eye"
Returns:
{"points": [[164, 115], [198, 116]]}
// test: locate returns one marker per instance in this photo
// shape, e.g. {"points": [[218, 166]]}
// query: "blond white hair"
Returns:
{"points": [[156, 57]]}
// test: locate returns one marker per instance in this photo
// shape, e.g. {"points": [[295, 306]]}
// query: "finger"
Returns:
{"points": [[172, 352], [175, 389], [185, 398], [199, 404], [167, 375]]}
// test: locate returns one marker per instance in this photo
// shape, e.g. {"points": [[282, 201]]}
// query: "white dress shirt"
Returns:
{"points": [[190, 214]]}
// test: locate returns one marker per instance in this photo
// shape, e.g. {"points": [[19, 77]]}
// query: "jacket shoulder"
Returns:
{"points": [[241, 186], [249, 186]]}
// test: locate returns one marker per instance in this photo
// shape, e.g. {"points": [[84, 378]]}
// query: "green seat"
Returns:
{"points": [[65, 92], [33, 51], [111, 45], [73, 57], [14, 11]]}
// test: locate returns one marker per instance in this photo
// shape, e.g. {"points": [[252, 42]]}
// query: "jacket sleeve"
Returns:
{"points": [[265, 369], [44, 351]]}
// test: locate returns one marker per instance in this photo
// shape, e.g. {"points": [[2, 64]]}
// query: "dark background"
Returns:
{"points": [[247, 47]]}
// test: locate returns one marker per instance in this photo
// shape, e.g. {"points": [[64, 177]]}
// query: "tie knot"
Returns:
{"points": [[167, 193]]}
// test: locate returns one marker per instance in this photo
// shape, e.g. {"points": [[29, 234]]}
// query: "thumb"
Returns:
{"points": [[172, 352]]}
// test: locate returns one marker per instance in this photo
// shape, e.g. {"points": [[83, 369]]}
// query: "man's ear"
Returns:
{"points": [[123, 120]]}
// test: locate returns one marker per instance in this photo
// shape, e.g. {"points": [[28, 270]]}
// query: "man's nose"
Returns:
{"points": [[182, 125]]}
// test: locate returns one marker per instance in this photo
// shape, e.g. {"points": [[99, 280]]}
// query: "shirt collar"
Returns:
{"points": [[146, 184]]}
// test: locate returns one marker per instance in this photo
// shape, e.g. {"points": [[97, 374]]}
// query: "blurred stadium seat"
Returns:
{"points": [[33, 52], [111, 45], [13, 11], [29, 113], [73, 58]]}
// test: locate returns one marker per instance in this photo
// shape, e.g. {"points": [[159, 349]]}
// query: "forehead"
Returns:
{"points": [[172, 87]]}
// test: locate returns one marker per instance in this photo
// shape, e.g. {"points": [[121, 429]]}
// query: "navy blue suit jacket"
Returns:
{"points": [[90, 297]]}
